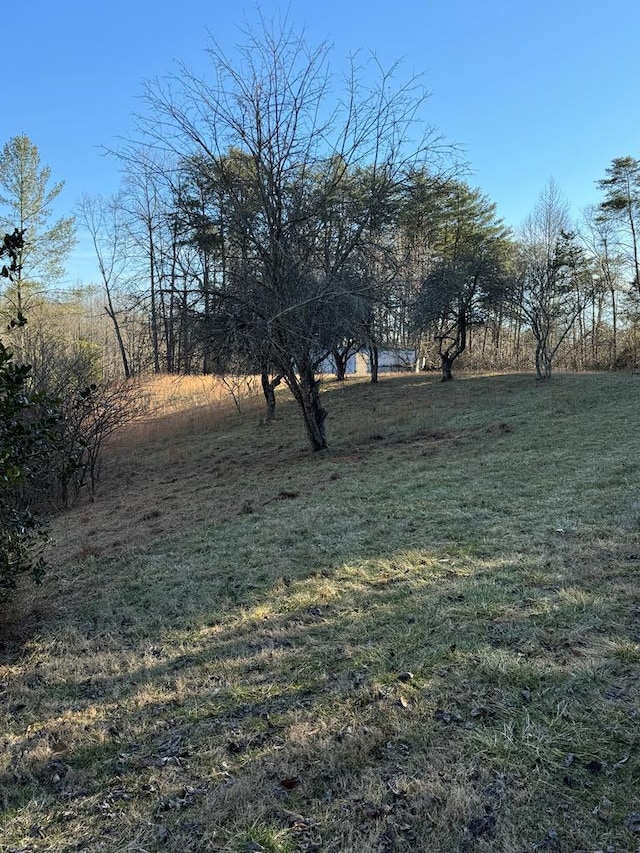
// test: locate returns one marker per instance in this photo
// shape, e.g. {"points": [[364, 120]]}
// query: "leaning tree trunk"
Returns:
{"points": [[116, 328], [305, 388]]}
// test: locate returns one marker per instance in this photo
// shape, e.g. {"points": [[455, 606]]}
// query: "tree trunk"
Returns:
{"points": [[154, 306], [447, 365], [340, 359], [634, 243], [373, 361], [305, 388], [614, 321], [543, 361], [455, 349], [116, 327], [539, 373], [269, 390], [517, 341]]}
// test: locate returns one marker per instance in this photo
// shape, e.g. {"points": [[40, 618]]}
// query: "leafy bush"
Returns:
{"points": [[28, 435], [53, 424]]}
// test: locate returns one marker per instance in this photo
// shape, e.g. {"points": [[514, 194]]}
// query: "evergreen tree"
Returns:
{"points": [[622, 204], [470, 247], [26, 200]]}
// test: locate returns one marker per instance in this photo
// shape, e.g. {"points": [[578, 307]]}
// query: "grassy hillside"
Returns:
{"points": [[426, 638]]}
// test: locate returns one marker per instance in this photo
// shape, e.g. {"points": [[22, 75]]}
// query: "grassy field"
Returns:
{"points": [[426, 638]]}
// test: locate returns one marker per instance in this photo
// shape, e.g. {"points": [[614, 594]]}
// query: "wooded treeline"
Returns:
{"points": [[265, 223], [417, 260]]}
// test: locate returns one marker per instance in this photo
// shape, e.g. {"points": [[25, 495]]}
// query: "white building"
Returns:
{"points": [[389, 361]]}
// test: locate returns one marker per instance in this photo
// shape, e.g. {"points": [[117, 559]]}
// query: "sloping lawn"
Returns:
{"points": [[424, 639]]}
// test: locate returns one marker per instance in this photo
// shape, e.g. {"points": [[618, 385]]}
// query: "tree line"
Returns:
{"points": [[266, 223]]}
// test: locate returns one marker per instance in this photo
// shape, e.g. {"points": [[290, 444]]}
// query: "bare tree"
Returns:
{"points": [[599, 234], [101, 218], [144, 206], [281, 150], [552, 282]]}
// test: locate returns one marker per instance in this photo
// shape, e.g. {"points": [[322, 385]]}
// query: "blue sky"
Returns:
{"points": [[532, 90]]}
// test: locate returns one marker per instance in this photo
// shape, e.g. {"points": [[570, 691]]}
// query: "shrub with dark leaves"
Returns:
{"points": [[28, 426]]}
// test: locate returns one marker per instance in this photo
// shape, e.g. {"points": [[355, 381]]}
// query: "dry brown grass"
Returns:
{"points": [[424, 639], [176, 405]]}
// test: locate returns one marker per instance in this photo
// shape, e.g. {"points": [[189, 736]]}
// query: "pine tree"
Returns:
{"points": [[26, 201], [622, 204]]}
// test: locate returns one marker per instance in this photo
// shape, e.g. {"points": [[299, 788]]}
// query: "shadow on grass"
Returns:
{"points": [[404, 701]]}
